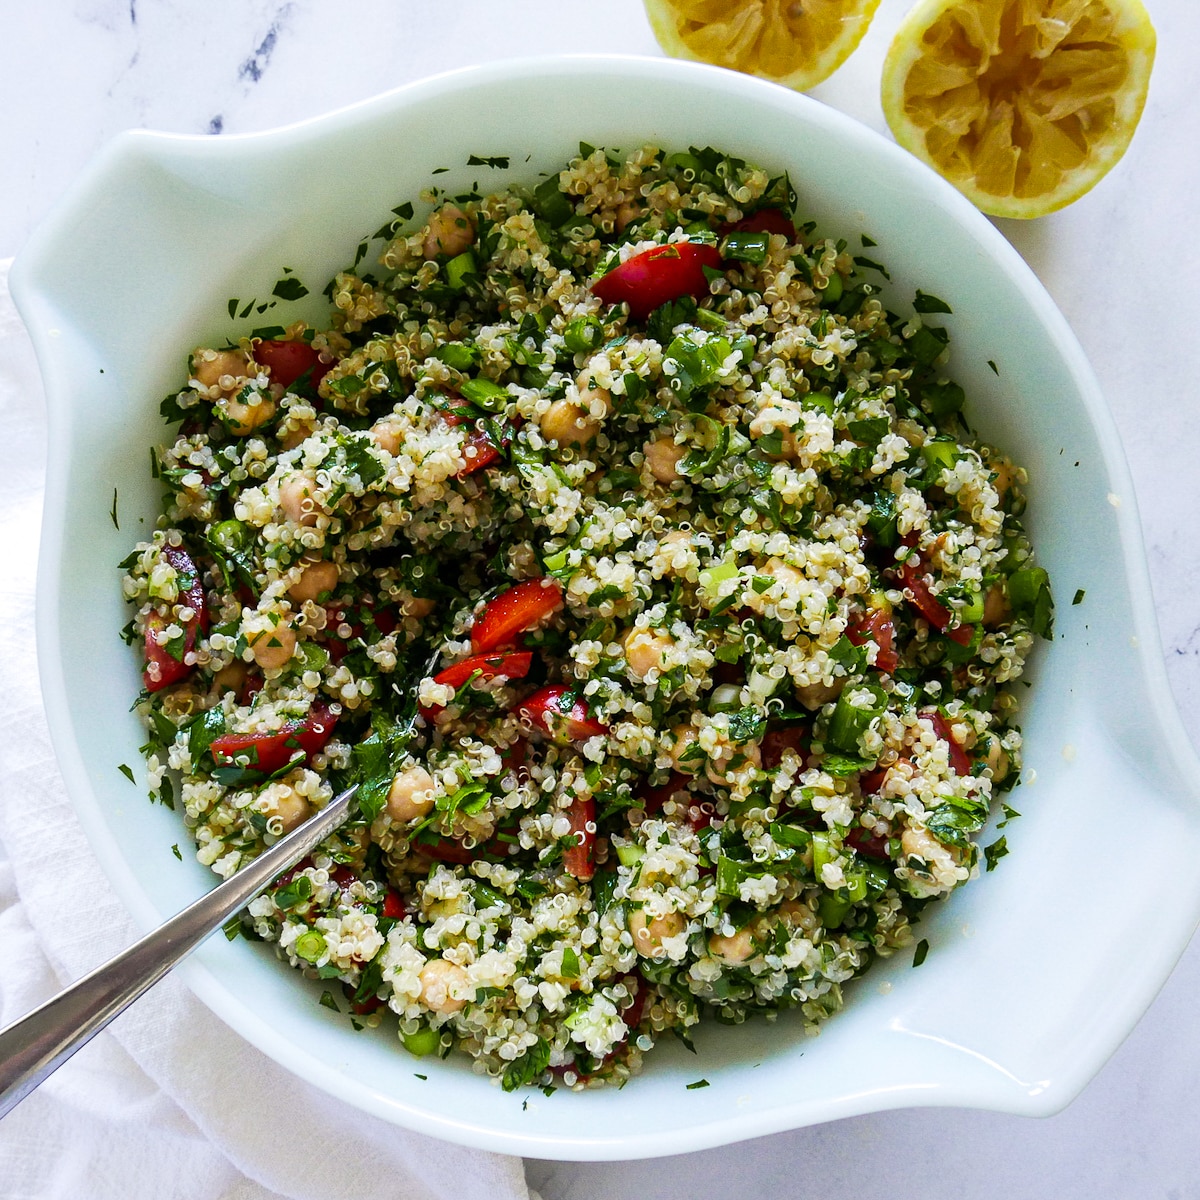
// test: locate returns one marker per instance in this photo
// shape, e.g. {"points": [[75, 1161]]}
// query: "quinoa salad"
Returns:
{"points": [[640, 567]]}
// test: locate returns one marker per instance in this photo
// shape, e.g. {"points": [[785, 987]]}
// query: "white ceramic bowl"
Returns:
{"points": [[1035, 971]]}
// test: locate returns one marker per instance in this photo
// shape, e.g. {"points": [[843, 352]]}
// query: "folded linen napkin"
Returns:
{"points": [[168, 1102]]}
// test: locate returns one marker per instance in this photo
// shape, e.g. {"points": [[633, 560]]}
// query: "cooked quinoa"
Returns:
{"points": [[724, 599]]}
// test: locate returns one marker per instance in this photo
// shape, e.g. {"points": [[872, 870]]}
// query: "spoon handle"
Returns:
{"points": [[36, 1045]]}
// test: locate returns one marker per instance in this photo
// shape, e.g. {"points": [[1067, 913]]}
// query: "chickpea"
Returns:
{"points": [[273, 647], [244, 418], [388, 434], [411, 795], [419, 607], [589, 393], [998, 760], [645, 650], [731, 760], [813, 695], [1003, 477], [292, 435], [650, 933], [685, 738], [626, 213], [319, 576], [995, 606], [288, 806], [733, 948], [222, 369], [568, 424], [662, 457], [445, 987], [450, 231], [783, 575], [230, 678], [297, 498]]}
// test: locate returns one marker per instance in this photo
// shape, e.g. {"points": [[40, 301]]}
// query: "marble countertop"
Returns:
{"points": [[1123, 265]]}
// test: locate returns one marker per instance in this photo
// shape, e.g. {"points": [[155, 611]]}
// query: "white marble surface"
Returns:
{"points": [[1122, 263]]}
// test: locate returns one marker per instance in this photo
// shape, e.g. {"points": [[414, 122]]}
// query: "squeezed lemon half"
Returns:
{"points": [[1023, 105], [794, 42]]}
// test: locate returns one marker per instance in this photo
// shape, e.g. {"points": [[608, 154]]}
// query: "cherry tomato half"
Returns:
{"points": [[579, 858], [562, 713], [515, 611], [658, 275], [289, 360], [267, 752], [163, 668], [505, 665], [876, 625], [767, 220]]}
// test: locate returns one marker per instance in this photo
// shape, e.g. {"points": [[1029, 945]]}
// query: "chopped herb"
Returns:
{"points": [[289, 288], [995, 369], [500, 161], [700, 1083], [126, 772], [1079, 595], [175, 851], [327, 1001], [920, 952], [113, 513], [925, 303], [995, 852]]}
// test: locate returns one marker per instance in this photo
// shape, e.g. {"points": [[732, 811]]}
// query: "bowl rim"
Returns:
{"points": [[132, 148]]}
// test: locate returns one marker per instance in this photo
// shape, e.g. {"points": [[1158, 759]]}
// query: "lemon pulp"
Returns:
{"points": [[1022, 104], [793, 42]]}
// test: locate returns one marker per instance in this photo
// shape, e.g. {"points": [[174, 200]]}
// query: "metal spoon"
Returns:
{"points": [[35, 1046]]}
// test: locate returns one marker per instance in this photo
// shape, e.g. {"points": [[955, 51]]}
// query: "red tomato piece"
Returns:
{"points": [[289, 360], [560, 712], [871, 781], [767, 220], [515, 611], [959, 759], [654, 798], [912, 575], [479, 449], [162, 667], [776, 742], [393, 906], [631, 1014], [267, 752], [512, 664], [658, 275], [876, 625], [870, 844], [579, 858]]}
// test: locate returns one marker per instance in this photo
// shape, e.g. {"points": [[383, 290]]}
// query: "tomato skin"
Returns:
{"points": [[191, 593], [565, 720], [289, 360], [876, 625], [274, 750], [912, 576], [579, 858], [479, 449], [869, 844], [503, 665], [767, 220], [959, 759], [654, 798], [658, 275], [776, 742], [515, 611], [393, 906]]}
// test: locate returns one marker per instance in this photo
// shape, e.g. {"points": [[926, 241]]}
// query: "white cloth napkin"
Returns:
{"points": [[169, 1102]]}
